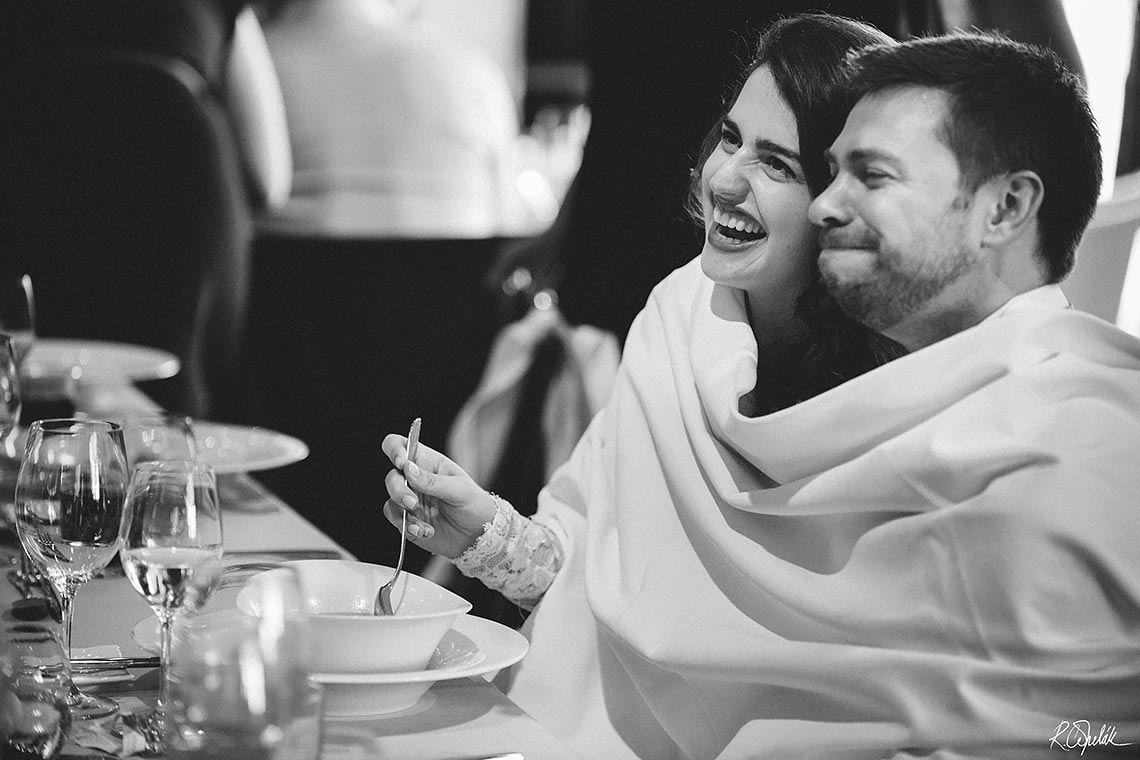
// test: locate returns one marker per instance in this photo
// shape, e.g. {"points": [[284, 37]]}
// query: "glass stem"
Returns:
{"points": [[28, 571], [166, 621], [66, 595]]}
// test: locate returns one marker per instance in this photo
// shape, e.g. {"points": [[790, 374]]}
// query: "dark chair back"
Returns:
{"points": [[120, 186]]}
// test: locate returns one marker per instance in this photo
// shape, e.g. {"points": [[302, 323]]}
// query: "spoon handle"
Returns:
{"points": [[413, 442]]}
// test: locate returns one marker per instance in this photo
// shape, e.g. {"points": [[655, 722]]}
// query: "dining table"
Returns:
{"points": [[458, 719]]}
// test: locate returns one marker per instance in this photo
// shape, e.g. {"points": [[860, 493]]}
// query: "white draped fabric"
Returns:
{"points": [[942, 554]]}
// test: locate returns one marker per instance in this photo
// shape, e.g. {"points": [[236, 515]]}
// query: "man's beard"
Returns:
{"points": [[899, 289]]}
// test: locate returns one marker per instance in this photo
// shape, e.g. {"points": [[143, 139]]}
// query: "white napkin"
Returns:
{"points": [[108, 737]]}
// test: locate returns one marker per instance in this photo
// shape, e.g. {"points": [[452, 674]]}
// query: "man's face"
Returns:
{"points": [[899, 235]]}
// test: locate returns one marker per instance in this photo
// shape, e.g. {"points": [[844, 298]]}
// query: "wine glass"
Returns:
{"points": [[158, 436], [171, 548], [10, 404], [69, 501], [18, 314], [10, 399]]}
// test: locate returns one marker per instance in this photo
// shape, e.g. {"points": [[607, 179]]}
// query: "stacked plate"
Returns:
{"points": [[473, 646], [54, 362], [376, 665]]}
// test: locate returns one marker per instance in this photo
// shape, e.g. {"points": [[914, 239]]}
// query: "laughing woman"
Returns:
{"points": [[680, 579]]}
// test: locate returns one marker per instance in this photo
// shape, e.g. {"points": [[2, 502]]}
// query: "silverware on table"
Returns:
{"points": [[383, 603], [284, 555], [93, 664], [33, 584], [237, 573], [253, 562]]}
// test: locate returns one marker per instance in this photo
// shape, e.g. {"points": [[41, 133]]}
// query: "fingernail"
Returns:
{"points": [[409, 500], [414, 530], [427, 531], [413, 469]]}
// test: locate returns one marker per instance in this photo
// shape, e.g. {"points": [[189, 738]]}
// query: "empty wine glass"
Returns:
{"points": [[10, 398], [69, 501], [10, 403], [18, 314], [171, 548]]}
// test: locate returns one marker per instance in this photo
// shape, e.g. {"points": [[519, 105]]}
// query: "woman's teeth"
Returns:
{"points": [[736, 226]]}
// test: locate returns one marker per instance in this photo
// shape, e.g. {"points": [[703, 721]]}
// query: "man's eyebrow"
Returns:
{"points": [[861, 156]]}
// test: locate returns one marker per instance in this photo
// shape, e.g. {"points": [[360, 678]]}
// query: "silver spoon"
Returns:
{"points": [[383, 603]]}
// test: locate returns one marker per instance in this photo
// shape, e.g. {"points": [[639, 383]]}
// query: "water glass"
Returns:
{"points": [[34, 684], [239, 685], [171, 535]]}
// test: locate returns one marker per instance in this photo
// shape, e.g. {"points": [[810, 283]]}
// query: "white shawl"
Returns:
{"points": [[942, 554]]}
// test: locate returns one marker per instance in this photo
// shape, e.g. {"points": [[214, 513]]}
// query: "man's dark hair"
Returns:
{"points": [[1012, 107]]}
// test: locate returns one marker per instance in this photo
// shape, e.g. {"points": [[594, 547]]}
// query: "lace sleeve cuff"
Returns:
{"points": [[515, 556]]}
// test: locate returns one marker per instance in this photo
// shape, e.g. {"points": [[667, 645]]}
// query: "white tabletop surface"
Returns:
{"points": [[460, 719]]}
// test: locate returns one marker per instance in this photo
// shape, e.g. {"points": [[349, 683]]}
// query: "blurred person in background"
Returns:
{"points": [[1129, 157], [404, 139], [398, 130], [252, 94]]}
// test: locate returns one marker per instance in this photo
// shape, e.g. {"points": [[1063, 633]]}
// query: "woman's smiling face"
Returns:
{"points": [[755, 201]]}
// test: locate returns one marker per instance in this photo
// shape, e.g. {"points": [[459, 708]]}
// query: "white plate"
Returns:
{"points": [[473, 647], [98, 360], [235, 448], [146, 632]]}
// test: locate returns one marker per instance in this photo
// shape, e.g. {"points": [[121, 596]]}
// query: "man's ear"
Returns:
{"points": [[1015, 200]]}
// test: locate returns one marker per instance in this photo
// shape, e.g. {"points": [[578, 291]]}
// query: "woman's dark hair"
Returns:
{"points": [[807, 56]]}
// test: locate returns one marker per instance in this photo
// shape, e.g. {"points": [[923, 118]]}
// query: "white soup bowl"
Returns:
{"points": [[347, 637]]}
